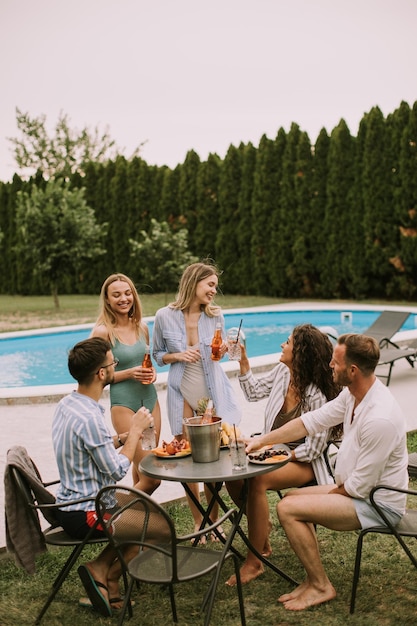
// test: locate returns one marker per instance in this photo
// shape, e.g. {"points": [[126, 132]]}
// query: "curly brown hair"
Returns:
{"points": [[312, 353]]}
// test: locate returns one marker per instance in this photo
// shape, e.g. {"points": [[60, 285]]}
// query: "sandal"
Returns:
{"points": [[92, 587], [215, 536]]}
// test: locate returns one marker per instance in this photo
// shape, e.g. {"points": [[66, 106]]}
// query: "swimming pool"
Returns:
{"points": [[31, 359]]}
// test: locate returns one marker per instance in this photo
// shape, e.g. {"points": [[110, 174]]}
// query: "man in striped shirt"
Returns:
{"points": [[87, 460]]}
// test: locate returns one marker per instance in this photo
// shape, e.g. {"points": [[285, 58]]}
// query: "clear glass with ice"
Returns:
{"points": [[237, 454], [234, 339]]}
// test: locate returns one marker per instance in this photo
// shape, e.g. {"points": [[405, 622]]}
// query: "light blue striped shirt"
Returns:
{"points": [[169, 336], [84, 449]]}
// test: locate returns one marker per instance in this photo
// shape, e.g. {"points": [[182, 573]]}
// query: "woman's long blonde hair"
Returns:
{"points": [[107, 318], [191, 276]]}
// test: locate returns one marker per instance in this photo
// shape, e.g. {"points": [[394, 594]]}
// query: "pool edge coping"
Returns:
{"points": [[45, 394]]}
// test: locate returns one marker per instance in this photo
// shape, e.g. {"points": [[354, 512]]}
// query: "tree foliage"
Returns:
{"points": [[160, 256], [56, 233], [334, 219], [62, 154]]}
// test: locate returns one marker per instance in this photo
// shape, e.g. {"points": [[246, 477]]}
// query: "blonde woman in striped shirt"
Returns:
{"points": [[181, 338]]}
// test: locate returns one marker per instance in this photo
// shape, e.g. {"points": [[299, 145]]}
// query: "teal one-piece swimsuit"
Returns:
{"points": [[131, 393]]}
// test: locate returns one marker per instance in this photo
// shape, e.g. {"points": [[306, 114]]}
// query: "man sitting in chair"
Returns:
{"points": [[87, 460], [373, 451]]}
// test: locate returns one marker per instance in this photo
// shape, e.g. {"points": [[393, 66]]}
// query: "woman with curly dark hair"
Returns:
{"points": [[301, 382]]}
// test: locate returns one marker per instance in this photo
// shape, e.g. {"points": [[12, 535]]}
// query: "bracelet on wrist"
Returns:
{"points": [[120, 441]]}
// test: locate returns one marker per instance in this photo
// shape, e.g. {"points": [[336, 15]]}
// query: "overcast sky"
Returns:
{"points": [[195, 74]]}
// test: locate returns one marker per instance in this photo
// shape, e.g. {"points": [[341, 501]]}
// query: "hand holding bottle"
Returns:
{"points": [[148, 371], [216, 344]]}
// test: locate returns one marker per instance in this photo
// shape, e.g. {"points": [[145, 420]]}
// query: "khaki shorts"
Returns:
{"points": [[368, 517]]}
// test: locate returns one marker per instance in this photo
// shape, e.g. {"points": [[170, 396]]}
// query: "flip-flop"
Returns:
{"points": [[117, 601], [92, 587], [86, 603]]}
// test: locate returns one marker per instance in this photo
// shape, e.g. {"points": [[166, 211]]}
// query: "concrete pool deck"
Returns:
{"points": [[29, 424]]}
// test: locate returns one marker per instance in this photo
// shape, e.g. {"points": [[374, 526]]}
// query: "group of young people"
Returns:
{"points": [[314, 389]]}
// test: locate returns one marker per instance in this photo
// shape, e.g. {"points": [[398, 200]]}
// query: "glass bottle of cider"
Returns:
{"points": [[147, 363], [208, 413], [216, 343]]}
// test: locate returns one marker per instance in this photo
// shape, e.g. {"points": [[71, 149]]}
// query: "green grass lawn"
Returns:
{"points": [[30, 312], [386, 592]]}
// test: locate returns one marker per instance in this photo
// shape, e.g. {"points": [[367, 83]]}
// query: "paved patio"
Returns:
{"points": [[29, 424]]}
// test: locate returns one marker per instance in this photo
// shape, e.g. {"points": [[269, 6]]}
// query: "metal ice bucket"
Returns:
{"points": [[204, 438]]}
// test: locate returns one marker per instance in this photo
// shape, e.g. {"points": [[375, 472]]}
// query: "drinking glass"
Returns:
{"points": [[234, 339], [238, 454]]}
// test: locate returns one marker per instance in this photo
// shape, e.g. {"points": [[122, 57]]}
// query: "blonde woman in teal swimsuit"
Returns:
{"points": [[120, 322]]}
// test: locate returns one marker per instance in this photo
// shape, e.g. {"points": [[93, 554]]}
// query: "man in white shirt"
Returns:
{"points": [[373, 451]]}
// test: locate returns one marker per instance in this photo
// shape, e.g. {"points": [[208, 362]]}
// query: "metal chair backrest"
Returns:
{"points": [[132, 517], [33, 493]]}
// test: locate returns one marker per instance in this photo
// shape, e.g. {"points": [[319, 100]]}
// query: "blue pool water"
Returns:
{"points": [[41, 359]]}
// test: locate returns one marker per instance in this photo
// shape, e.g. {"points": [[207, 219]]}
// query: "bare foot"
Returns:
{"points": [[215, 538], [311, 596], [203, 540], [247, 573], [294, 593]]}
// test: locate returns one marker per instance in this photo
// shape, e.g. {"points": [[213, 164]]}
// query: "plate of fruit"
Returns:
{"points": [[173, 450], [270, 455]]}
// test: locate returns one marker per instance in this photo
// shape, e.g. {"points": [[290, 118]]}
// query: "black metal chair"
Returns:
{"points": [[132, 518], [412, 464], [406, 528], [54, 535]]}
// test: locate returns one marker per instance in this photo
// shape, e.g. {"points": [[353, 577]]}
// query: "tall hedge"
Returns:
{"points": [[287, 218]]}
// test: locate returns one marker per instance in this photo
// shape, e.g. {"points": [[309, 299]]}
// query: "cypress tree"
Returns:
{"points": [[340, 213], [187, 196], [406, 262], [229, 218], [207, 198], [279, 244], [288, 284], [377, 209], [300, 269], [318, 208], [264, 206], [169, 210], [10, 261], [243, 230], [106, 212], [121, 215]]}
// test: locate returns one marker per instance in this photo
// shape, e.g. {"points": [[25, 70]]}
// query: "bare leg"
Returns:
{"points": [[234, 488], [197, 517], [214, 514], [194, 487], [100, 567], [121, 419], [297, 514], [259, 526], [114, 574]]}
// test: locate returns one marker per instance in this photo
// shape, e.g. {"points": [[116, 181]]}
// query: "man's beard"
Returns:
{"points": [[342, 378]]}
